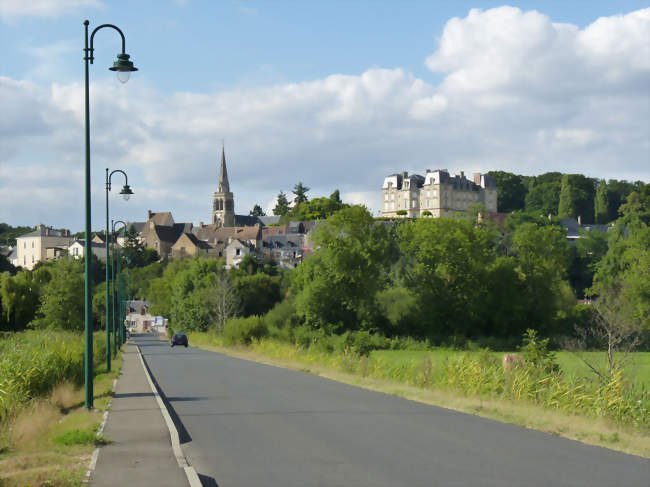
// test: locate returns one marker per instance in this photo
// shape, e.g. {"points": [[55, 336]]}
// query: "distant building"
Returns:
{"points": [[77, 249], [43, 244], [575, 230], [437, 192]]}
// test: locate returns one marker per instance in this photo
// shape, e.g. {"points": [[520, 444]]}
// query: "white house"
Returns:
{"points": [[44, 243], [77, 249]]}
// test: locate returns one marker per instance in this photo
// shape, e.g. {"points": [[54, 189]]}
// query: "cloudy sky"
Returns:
{"points": [[336, 94]]}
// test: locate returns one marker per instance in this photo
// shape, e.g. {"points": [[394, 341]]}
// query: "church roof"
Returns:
{"points": [[224, 185]]}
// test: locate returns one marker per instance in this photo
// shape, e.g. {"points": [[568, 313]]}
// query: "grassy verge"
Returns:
{"points": [[363, 372], [49, 441]]}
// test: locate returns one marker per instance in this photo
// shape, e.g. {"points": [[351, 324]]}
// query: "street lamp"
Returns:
{"points": [[121, 65], [116, 332], [126, 194]]}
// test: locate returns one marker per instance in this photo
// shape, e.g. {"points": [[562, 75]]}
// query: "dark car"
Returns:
{"points": [[179, 338]]}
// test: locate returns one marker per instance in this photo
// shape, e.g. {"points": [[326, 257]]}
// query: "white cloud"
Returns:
{"points": [[11, 9], [520, 93]]}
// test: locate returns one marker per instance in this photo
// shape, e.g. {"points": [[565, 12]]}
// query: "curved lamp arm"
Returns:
{"points": [[89, 50]]}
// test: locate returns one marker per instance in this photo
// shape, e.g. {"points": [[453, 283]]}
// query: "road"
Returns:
{"points": [[249, 424]]}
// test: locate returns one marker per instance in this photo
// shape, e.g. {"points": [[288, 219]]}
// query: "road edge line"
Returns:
{"points": [[190, 472]]}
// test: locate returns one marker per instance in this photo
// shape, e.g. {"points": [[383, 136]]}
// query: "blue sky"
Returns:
{"points": [[335, 94]]}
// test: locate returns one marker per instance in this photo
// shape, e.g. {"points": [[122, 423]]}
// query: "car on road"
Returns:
{"points": [[179, 338]]}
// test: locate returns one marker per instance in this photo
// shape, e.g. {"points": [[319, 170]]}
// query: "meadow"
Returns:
{"points": [[637, 370]]}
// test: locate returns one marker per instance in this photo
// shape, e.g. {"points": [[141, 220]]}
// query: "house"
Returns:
{"points": [[437, 192], [287, 251], [188, 245], [575, 229], [161, 232], [44, 243], [77, 249], [236, 250], [218, 237]]}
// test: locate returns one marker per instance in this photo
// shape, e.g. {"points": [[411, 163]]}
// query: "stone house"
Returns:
{"points": [[77, 249], [188, 245]]}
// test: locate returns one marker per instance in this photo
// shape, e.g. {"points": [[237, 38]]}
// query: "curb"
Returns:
{"points": [[190, 472], [95, 455]]}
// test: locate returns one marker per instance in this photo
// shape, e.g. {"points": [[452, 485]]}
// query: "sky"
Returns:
{"points": [[333, 94]]}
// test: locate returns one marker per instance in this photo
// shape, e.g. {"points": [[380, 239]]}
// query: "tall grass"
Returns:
{"points": [[33, 362], [480, 374]]}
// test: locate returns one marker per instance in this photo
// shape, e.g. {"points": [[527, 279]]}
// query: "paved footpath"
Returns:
{"points": [[140, 452]]}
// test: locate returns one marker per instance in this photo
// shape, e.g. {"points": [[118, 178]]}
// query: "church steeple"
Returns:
{"points": [[223, 202], [224, 186]]}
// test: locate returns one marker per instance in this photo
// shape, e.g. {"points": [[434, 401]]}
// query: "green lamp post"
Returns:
{"points": [[126, 194], [117, 332], [123, 67]]}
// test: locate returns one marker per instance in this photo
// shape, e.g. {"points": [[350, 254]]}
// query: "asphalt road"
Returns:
{"points": [[249, 424]]}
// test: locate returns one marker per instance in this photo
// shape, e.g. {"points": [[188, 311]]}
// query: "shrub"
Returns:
{"points": [[242, 331]]}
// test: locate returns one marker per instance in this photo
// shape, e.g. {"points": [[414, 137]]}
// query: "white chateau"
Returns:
{"points": [[438, 192]]}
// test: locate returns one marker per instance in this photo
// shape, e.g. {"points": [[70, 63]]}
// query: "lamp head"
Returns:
{"points": [[123, 67], [126, 192]]}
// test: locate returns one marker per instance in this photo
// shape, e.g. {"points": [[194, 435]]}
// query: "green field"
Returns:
{"points": [[637, 371]]}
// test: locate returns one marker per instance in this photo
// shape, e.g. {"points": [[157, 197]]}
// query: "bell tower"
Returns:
{"points": [[223, 203]]}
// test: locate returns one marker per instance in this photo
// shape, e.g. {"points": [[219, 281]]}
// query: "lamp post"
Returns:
{"points": [[116, 332], [123, 67], [126, 194]]}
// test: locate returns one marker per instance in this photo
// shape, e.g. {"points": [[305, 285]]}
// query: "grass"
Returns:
{"points": [[637, 372], [49, 441], [412, 375]]}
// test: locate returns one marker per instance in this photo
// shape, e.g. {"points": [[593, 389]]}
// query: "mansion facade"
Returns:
{"points": [[437, 192]]}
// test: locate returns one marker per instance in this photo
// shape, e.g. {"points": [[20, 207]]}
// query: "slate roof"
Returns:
{"points": [[269, 219], [573, 229], [41, 232], [161, 217]]}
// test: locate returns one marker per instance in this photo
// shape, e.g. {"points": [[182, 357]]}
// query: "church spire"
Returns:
{"points": [[224, 186]]}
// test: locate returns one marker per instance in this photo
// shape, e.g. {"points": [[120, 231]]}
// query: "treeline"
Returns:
{"points": [[445, 280], [563, 195]]}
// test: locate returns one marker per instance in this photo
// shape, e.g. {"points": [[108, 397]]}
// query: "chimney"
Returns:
{"points": [[200, 224], [149, 214], [405, 174], [47, 231], [477, 178], [462, 174]]}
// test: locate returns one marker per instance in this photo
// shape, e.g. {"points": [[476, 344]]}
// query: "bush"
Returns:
{"points": [[242, 331], [283, 314]]}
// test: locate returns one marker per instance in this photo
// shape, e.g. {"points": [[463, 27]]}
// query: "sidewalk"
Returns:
{"points": [[140, 452]]}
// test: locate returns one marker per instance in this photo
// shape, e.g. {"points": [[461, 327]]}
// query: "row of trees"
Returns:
{"points": [[445, 280], [564, 195]]}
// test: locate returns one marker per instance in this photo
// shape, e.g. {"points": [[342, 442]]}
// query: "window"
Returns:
{"points": [[414, 203], [238, 252], [428, 193], [24, 245], [32, 244], [32, 259], [24, 260]]}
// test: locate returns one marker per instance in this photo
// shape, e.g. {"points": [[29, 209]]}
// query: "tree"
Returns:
{"points": [[335, 288], [300, 190], [62, 298], [134, 253], [20, 296], [282, 205], [257, 211], [544, 194], [316, 209], [202, 296], [6, 266], [257, 293], [601, 203], [511, 191], [336, 196], [577, 197]]}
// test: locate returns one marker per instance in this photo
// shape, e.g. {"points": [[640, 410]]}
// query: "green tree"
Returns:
{"points": [[577, 197], [202, 296], [62, 297], [8, 233], [134, 253], [257, 293], [20, 296], [282, 205], [449, 258], [335, 288], [316, 209], [257, 211], [544, 194], [601, 203], [511, 191], [300, 190]]}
